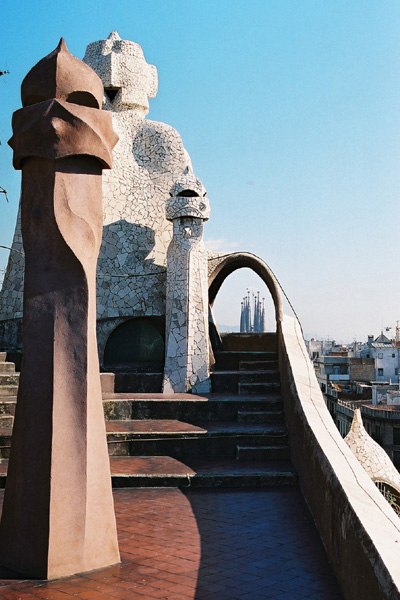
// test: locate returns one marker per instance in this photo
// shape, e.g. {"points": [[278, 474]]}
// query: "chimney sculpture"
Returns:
{"points": [[187, 347], [58, 516]]}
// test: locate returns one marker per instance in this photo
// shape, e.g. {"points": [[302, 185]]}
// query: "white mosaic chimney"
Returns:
{"points": [[187, 338]]}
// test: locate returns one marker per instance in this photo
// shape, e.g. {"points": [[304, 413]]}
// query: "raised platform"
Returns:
{"points": [[164, 471]]}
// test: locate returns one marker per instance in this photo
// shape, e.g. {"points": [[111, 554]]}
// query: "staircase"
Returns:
{"points": [[9, 380], [234, 437]]}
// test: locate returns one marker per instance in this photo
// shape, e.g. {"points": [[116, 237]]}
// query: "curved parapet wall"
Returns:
{"points": [[359, 529]]}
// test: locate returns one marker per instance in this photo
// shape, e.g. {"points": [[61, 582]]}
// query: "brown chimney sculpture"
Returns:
{"points": [[58, 517]]}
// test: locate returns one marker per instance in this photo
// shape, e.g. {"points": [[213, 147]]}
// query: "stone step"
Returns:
{"points": [[257, 365], [157, 414], [228, 382], [5, 442], [9, 379], [164, 471], [258, 388], [175, 438], [161, 471], [8, 390], [247, 376], [3, 356], [12, 379], [251, 342], [107, 382], [230, 360], [182, 440], [187, 407], [7, 411], [260, 416], [256, 453], [151, 406], [7, 405], [6, 421], [7, 367], [152, 428], [138, 382]]}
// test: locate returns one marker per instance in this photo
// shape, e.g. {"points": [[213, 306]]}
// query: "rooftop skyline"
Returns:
{"points": [[290, 113]]}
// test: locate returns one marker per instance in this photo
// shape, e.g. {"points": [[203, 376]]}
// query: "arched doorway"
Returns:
{"points": [[221, 267], [137, 345], [244, 303], [244, 363]]}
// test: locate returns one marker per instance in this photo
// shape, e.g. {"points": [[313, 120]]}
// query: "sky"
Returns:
{"points": [[290, 111]]}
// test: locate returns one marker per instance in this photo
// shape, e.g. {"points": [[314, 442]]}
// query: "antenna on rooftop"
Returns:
{"points": [[397, 339]]}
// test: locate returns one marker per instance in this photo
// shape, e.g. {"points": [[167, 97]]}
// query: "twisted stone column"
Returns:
{"points": [[58, 516]]}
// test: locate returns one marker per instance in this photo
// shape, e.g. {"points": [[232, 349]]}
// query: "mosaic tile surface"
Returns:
{"points": [[370, 454]]}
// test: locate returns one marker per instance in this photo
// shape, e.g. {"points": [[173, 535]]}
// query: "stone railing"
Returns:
{"points": [[351, 404], [359, 530]]}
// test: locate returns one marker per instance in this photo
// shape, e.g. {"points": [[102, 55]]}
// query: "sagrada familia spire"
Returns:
{"points": [[252, 322]]}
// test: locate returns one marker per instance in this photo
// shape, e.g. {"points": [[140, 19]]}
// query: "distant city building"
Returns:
{"points": [[318, 348], [339, 372], [365, 376], [252, 320], [386, 353], [383, 353]]}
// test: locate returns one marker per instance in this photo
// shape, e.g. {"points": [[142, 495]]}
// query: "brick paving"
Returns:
{"points": [[149, 426], [202, 545], [152, 465], [165, 465]]}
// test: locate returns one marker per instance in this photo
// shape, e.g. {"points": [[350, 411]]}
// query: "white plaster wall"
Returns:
{"points": [[385, 360]]}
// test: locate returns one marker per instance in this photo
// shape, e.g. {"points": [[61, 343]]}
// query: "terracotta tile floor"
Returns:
{"points": [[204, 544], [174, 427], [152, 396], [149, 426], [165, 465], [152, 465]]}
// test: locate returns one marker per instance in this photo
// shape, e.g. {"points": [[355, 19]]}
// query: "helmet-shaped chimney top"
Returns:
{"points": [[62, 76]]}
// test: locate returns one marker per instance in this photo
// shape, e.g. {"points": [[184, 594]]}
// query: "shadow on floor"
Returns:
{"points": [[237, 544], [259, 544]]}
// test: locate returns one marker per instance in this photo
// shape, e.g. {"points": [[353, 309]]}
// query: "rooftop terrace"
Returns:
{"points": [[202, 544]]}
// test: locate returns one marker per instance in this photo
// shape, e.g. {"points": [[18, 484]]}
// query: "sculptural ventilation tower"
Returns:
{"points": [[58, 516]]}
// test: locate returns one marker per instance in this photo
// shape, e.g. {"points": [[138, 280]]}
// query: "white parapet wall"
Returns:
{"points": [[359, 529]]}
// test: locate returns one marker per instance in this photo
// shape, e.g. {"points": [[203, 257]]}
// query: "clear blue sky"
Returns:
{"points": [[290, 110]]}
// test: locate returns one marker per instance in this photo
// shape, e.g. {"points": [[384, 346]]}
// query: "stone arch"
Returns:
{"points": [[222, 266], [137, 344]]}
